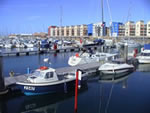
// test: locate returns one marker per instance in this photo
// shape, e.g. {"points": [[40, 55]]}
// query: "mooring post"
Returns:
{"points": [[126, 52], [3, 89], [39, 47], [76, 92]]}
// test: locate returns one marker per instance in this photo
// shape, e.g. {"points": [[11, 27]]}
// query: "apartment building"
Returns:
{"points": [[99, 29], [116, 29], [66, 31], [77, 30], [130, 28], [140, 29], [148, 28], [83, 30], [121, 30], [51, 30]]}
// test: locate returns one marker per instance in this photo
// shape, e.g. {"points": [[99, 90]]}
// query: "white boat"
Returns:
{"points": [[115, 67], [81, 59], [1, 45], [130, 43], [45, 80], [29, 45], [85, 57], [144, 57], [8, 46]]}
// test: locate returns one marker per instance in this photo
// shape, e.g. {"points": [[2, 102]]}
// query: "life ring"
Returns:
{"points": [[43, 68]]}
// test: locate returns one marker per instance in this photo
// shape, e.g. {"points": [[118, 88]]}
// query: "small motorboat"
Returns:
{"points": [[144, 57], [86, 57], [82, 58], [116, 67], [45, 80]]}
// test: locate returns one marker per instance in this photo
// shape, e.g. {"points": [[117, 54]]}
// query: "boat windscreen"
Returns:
{"points": [[38, 73], [145, 54]]}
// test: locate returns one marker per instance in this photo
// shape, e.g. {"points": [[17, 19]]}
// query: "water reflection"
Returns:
{"points": [[114, 78], [48, 103], [112, 81], [143, 67]]}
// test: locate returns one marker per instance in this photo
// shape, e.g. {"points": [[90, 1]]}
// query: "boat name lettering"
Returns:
{"points": [[29, 88]]}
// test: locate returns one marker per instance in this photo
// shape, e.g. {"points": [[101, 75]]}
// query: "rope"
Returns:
{"points": [[109, 98], [109, 11]]}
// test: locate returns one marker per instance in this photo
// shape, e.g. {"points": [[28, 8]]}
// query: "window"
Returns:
{"points": [[49, 75]]}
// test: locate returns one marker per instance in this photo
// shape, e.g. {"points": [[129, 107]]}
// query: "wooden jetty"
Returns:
{"points": [[93, 67]]}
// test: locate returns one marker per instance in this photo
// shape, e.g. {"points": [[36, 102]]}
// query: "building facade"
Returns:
{"points": [[90, 29], [140, 29], [130, 28], [77, 30], [99, 29], [148, 28], [116, 29], [51, 30]]}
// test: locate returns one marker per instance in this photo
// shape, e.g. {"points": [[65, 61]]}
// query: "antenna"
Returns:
{"points": [[129, 12], [102, 11], [102, 18], [61, 14]]}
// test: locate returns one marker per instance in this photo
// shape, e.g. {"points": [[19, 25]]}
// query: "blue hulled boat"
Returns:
{"points": [[45, 80]]}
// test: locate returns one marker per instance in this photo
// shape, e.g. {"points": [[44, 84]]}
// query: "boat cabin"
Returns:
{"points": [[43, 74], [145, 53]]}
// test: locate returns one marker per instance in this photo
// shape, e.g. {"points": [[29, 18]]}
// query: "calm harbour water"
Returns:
{"points": [[128, 94]]}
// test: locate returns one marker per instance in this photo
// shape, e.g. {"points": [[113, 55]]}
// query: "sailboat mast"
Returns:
{"points": [[102, 26], [61, 14]]}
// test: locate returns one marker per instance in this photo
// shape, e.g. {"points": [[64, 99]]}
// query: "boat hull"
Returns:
{"points": [[144, 60], [39, 89], [32, 89], [117, 71]]}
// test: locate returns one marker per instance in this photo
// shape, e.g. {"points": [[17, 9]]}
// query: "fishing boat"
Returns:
{"points": [[116, 67], [45, 80]]}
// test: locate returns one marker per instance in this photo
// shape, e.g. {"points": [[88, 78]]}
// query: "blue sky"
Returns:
{"points": [[28, 16]]}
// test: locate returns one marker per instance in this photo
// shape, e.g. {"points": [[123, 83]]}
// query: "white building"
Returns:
{"points": [[140, 29], [99, 29], [66, 31], [77, 30], [130, 28], [148, 29], [83, 30]]}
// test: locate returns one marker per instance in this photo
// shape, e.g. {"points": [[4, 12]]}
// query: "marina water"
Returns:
{"points": [[126, 94]]}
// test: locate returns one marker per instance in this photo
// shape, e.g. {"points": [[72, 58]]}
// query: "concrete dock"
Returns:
{"points": [[89, 68]]}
